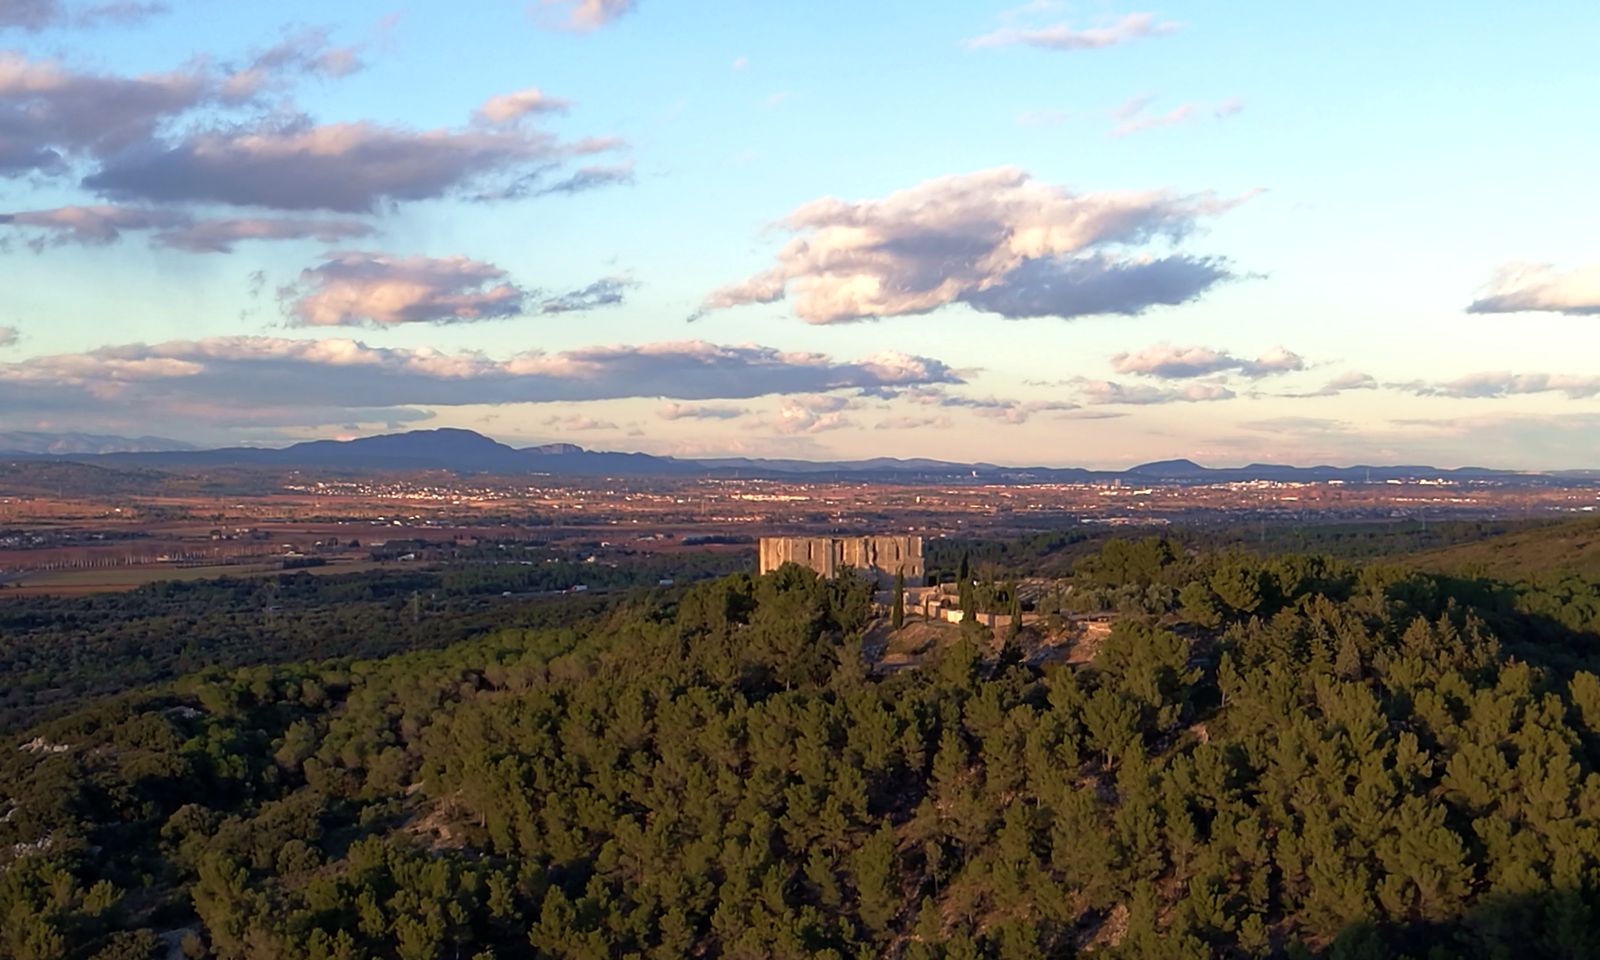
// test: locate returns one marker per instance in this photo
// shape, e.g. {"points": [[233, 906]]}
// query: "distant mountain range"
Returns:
{"points": [[464, 451], [75, 444]]}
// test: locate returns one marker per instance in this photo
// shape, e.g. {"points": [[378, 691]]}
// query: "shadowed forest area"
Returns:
{"points": [[1272, 756]]}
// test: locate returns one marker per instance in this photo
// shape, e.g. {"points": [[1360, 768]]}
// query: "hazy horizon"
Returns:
{"points": [[1051, 234]]}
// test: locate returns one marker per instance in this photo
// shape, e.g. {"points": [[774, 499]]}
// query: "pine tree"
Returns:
{"points": [[898, 618]]}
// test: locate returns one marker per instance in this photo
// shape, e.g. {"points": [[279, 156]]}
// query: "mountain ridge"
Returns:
{"points": [[466, 451]]}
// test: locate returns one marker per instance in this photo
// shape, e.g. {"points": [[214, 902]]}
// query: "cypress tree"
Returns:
{"points": [[898, 618]]}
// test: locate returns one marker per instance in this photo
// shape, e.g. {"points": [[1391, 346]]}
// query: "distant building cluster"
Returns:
{"points": [[881, 558]]}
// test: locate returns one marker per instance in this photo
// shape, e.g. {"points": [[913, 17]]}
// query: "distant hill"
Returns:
{"points": [[29, 443], [465, 451], [35, 477], [1564, 548]]}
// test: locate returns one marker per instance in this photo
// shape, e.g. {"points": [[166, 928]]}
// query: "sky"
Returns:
{"points": [[1061, 233]]}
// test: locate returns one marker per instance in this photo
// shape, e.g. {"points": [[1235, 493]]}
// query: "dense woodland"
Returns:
{"points": [[1272, 756], [1055, 552], [54, 651]]}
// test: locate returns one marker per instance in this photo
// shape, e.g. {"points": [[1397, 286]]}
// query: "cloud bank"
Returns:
{"points": [[1498, 384], [264, 381]]}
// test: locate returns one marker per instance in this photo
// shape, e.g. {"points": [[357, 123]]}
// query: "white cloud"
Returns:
{"points": [[1132, 118], [997, 240], [1498, 384], [1005, 410], [700, 411], [587, 15], [914, 423], [1061, 36], [579, 423], [1529, 287], [9, 337], [1343, 383], [306, 52], [511, 107], [809, 415], [1178, 363], [1111, 392]]}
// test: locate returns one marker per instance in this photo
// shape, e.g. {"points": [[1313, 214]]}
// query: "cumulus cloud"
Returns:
{"points": [[700, 411], [997, 240], [587, 15], [605, 292], [354, 288], [97, 225], [1064, 37], [268, 381], [1168, 362], [132, 133], [511, 107], [1529, 287], [9, 337], [49, 114], [810, 415]]}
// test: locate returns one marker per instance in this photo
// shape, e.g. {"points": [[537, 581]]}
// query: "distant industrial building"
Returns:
{"points": [[879, 557]]}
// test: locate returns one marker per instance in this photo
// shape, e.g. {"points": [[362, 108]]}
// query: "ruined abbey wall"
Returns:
{"points": [[882, 557]]}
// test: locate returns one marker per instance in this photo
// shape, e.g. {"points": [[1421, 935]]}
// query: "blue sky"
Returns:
{"points": [[1064, 233]]}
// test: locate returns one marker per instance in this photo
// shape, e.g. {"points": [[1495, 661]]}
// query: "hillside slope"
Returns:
{"points": [[1563, 548]]}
